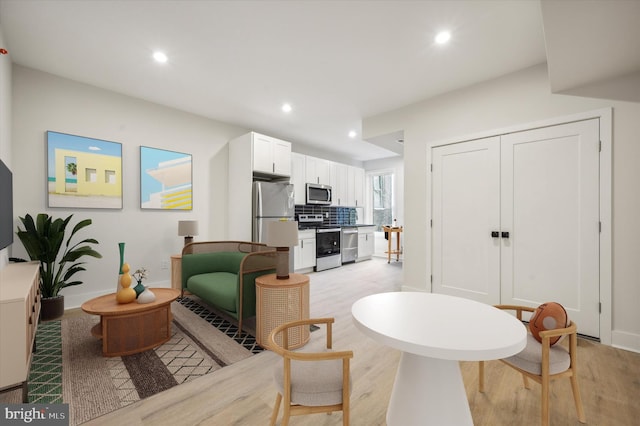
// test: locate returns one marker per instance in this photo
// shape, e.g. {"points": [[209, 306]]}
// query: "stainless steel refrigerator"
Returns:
{"points": [[271, 201]]}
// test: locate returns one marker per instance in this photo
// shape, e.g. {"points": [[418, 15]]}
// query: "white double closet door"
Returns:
{"points": [[516, 220]]}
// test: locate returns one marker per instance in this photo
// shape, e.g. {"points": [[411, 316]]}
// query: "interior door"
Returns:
{"points": [[550, 207], [466, 209]]}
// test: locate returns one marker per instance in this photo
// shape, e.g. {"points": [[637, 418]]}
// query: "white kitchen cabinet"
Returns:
{"points": [[355, 187], [304, 254], [347, 182], [317, 170], [298, 177], [358, 186], [366, 242], [271, 156], [339, 183]]}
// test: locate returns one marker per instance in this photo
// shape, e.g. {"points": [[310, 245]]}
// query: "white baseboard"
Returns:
{"points": [[409, 288], [624, 340]]}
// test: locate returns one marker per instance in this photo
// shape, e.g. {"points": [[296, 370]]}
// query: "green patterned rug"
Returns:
{"points": [[45, 378]]}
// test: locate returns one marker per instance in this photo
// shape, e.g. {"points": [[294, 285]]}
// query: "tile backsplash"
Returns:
{"points": [[330, 215]]}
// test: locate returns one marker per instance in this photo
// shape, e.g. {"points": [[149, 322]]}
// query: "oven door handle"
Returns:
{"points": [[322, 231]]}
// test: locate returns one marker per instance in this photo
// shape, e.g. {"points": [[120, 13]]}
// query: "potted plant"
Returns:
{"points": [[43, 241]]}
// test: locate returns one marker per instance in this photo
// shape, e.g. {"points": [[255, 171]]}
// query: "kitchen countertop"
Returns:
{"points": [[303, 228]]}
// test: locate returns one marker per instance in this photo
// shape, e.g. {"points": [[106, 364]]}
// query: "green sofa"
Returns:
{"points": [[223, 273]]}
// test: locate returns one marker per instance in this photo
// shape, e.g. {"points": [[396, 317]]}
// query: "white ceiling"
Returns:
{"points": [[336, 62]]}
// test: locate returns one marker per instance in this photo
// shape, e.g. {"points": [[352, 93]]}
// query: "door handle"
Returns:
{"points": [[495, 234], [505, 235]]}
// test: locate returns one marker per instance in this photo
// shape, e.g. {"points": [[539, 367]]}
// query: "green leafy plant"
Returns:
{"points": [[44, 240], [72, 168]]}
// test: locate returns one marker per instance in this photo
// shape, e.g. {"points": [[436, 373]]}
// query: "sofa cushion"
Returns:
{"points": [[219, 288]]}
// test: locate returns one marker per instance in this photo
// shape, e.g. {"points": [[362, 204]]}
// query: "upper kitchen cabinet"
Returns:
{"points": [[355, 186], [339, 183], [269, 156], [318, 170], [298, 177], [347, 182]]}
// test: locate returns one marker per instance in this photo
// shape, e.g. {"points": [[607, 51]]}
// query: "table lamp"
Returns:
{"points": [[282, 235], [187, 229]]}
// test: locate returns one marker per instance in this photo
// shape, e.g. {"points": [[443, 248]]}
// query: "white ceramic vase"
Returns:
{"points": [[146, 296]]}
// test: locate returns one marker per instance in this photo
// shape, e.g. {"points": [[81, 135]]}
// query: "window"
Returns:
{"points": [[110, 176], [90, 175], [382, 199]]}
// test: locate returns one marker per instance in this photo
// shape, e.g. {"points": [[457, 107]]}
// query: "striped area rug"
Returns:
{"points": [[68, 366], [247, 340]]}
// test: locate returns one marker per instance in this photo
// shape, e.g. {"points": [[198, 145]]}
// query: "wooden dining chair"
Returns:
{"points": [[543, 362], [310, 381]]}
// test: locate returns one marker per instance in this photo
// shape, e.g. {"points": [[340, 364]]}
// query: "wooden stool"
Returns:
{"points": [[390, 230]]}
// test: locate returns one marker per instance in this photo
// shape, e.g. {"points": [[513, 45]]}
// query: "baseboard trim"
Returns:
{"points": [[409, 288], [625, 340]]}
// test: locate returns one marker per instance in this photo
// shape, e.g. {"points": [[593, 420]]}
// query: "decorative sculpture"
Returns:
{"points": [[143, 294], [121, 249], [126, 294]]}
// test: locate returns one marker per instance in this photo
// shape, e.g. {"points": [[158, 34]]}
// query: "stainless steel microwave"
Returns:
{"points": [[318, 194]]}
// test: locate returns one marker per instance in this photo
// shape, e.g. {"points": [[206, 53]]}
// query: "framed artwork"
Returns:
{"points": [[83, 172], [165, 179]]}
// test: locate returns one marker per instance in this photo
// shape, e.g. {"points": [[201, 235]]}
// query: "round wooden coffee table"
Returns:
{"points": [[130, 328]]}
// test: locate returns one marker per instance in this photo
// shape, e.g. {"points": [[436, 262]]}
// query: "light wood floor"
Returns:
{"points": [[243, 393]]}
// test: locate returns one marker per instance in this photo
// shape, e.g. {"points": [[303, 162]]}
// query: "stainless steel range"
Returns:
{"points": [[327, 241]]}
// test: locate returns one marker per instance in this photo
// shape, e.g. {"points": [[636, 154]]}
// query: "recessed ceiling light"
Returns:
{"points": [[352, 134], [160, 57], [442, 37], [286, 107]]}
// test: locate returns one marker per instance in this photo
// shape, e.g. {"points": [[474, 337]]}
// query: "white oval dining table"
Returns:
{"points": [[434, 332]]}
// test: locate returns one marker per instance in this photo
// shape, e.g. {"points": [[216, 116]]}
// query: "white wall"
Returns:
{"points": [[5, 123], [44, 102], [324, 154], [514, 99]]}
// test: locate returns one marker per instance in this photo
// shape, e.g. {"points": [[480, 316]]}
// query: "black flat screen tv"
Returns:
{"points": [[6, 206]]}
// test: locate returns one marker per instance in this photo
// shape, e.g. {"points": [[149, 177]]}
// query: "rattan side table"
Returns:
{"points": [[279, 302]]}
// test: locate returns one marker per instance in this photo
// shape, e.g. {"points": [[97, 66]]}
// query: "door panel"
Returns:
{"points": [[466, 208], [550, 206]]}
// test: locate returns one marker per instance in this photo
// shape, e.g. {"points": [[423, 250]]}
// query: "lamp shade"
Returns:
{"points": [[282, 234], [187, 228]]}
